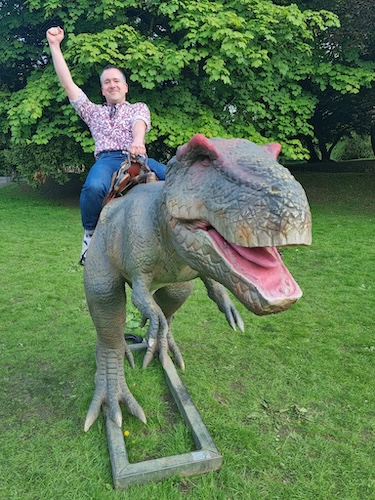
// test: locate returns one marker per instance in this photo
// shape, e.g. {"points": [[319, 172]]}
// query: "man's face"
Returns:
{"points": [[114, 88]]}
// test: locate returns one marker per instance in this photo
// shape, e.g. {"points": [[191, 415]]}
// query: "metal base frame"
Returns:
{"points": [[206, 458]]}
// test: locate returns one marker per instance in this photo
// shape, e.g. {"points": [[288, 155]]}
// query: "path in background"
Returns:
{"points": [[4, 181]]}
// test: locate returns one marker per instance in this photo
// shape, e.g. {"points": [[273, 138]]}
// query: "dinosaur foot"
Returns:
{"points": [[111, 389], [163, 344]]}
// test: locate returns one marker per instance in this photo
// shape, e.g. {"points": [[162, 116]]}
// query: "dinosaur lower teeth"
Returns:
{"points": [[189, 240], [196, 246], [244, 286], [215, 258]]}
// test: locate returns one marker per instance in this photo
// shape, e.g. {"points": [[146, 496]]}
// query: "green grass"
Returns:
{"points": [[289, 403]]}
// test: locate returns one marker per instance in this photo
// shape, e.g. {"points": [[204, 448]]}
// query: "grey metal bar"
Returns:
{"points": [[205, 459]]}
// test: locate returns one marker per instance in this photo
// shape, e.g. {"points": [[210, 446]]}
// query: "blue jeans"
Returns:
{"points": [[98, 182]]}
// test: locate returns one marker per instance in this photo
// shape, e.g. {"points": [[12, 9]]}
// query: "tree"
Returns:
{"points": [[340, 112], [222, 68]]}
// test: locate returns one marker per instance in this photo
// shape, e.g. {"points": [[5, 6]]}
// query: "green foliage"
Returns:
{"points": [[222, 68], [34, 162], [353, 147], [347, 56]]}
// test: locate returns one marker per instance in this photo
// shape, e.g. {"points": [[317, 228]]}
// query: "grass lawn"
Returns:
{"points": [[289, 403]]}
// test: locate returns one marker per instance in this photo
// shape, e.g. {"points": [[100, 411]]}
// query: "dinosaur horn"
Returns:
{"points": [[198, 145], [273, 149]]}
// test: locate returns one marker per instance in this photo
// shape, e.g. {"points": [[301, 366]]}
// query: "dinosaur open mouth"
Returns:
{"points": [[262, 266], [256, 275]]}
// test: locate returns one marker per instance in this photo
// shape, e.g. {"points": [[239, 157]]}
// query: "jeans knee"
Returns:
{"points": [[94, 189]]}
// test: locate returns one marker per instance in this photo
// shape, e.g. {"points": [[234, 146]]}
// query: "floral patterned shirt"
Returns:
{"points": [[111, 126]]}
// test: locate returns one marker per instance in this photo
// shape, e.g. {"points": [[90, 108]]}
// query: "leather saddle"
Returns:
{"points": [[132, 171]]}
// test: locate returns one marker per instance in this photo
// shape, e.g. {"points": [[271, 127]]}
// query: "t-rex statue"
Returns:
{"points": [[224, 208]]}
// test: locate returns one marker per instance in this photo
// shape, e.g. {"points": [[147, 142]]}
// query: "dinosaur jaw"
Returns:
{"points": [[257, 276], [263, 268]]}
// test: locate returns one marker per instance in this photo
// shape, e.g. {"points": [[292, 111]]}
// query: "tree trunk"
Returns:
{"points": [[336, 140], [372, 134], [314, 158], [324, 151]]}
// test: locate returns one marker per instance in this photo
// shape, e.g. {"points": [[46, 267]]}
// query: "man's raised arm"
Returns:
{"points": [[55, 36]]}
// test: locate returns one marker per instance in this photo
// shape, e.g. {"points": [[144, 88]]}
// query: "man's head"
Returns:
{"points": [[114, 86]]}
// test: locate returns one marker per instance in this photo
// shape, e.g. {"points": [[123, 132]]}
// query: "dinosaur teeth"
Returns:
{"points": [[215, 258], [197, 245], [189, 239], [179, 237], [244, 287], [235, 280]]}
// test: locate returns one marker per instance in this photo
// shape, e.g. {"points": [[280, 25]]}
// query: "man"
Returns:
{"points": [[117, 127]]}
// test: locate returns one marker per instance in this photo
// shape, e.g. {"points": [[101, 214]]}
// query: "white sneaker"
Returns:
{"points": [[85, 244]]}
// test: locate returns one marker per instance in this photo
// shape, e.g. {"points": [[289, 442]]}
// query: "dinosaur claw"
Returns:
{"points": [[94, 409], [239, 321], [181, 364], [219, 294], [149, 356], [133, 406], [164, 359], [147, 360], [129, 357], [116, 416], [92, 415], [87, 426], [111, 388], [139, 413], [178, 359], [234, 319]]}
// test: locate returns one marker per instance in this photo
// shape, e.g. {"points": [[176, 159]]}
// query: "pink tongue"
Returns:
{"points": [[262, 266], [262, 256]]}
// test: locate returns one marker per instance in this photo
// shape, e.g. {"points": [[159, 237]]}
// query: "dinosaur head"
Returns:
{"points": [[230, 204]]}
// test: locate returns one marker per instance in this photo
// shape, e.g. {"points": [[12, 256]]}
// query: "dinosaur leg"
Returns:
{"points": [[159, 309], [105, 294], [170, 298]]}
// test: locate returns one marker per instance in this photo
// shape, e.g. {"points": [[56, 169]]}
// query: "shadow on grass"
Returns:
{"points": [[65, 194]]}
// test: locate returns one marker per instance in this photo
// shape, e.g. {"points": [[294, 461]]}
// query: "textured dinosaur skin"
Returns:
{"points": [[225, 206]]}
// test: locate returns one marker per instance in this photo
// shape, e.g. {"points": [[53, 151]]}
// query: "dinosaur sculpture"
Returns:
{"points": [[225, 206]]}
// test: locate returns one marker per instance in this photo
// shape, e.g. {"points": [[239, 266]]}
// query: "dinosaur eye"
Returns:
{"points": [[205, 160]]}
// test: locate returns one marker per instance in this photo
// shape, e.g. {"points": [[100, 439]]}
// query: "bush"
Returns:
{"points": [[35, 162], [353, 147]]}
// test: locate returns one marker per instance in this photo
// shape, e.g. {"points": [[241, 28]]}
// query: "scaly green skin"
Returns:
{"points": [[222, 199]]}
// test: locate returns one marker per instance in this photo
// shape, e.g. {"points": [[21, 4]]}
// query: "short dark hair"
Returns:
{"points": [[112, 66]]}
